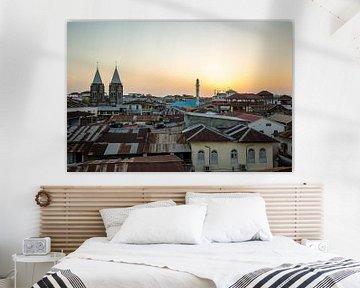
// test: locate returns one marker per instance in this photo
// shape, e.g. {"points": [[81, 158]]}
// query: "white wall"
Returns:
{"points": [[33, 107]]}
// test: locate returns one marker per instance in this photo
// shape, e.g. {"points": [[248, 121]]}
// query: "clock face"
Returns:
{"points": [[40, 245]]}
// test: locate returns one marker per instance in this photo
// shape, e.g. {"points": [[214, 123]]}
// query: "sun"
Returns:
{"points": [[219, 77]]}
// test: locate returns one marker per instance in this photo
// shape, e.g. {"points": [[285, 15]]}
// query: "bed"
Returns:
{"points": [[294, 211]]}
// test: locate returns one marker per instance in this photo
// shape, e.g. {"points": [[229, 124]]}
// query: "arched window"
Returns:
{"points": [[214, 157], [262, 156], [201, 157], [234, 157], [251, 156]]}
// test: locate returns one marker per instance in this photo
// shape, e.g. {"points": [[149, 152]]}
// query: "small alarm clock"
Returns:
{"points": [[320, 245], [36, 246]]}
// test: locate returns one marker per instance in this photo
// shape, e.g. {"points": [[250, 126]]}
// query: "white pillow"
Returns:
{"points": [[204, 198], [180, 224], [236, 220], [113, 218]]}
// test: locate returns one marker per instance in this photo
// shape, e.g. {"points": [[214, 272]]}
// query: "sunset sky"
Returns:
{"points": [[166, 57]]}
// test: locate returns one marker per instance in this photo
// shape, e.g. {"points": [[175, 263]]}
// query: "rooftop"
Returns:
{"points": [[281, 118], [165, 163], [202, 133], [71, 103], [244, 116], [244, 134]]}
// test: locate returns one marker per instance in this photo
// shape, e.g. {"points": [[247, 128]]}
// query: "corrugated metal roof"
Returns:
{"points": [[285, 134], [71, 103], [281, 118], [112, 149], [134, 118], [244, 116], [244, 96], [124, 135], [166, 163], [79, 147], [88, 133]]}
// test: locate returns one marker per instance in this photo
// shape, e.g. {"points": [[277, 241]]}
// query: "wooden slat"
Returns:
{"points": [[73, 216]]}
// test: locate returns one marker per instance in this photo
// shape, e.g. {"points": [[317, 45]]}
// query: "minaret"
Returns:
{"points": [[97, 95], [197, 92], [116, 89]]}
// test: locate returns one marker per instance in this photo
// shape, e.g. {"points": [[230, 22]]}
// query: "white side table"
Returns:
{"points": [[53, 257]]}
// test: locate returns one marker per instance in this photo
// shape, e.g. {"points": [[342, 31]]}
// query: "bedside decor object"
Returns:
{"points": [[52, 257], [36, 246], [320, 245], [42, 198]]}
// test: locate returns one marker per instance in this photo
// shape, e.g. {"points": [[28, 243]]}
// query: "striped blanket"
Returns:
{"points": [[59, 278], [320, 274]]}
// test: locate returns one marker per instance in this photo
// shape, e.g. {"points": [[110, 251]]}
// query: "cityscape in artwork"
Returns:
{"points": [[167, 96]]}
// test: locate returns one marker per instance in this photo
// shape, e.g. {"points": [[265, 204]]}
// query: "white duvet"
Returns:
{"points": [[100, 263]]}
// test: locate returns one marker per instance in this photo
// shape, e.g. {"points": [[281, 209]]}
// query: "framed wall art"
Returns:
{"points": [[179, 96]]}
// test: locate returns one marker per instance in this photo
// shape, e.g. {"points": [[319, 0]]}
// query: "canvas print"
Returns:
{"points": [[179, 96]]}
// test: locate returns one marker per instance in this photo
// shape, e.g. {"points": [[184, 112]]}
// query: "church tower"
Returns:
{"points": [[97, 90], [116, 89]]}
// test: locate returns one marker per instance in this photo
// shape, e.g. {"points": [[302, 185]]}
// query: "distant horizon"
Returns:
{"points": [[186, 94], [165, 57]]}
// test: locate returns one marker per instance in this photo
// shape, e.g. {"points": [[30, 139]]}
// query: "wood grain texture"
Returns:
{"points": [[73, 215]]}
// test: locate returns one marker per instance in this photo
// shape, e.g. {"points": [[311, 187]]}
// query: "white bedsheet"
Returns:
{"points": [[102, 264]]}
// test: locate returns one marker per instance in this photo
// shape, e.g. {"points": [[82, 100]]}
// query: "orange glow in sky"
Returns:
{"points": [[166, 57]]}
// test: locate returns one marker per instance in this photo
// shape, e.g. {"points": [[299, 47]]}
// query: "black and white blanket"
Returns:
{"points": [[320, 274], [59, 278]]}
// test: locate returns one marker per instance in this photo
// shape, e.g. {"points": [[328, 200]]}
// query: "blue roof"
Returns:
{"points": [[186, 103]]}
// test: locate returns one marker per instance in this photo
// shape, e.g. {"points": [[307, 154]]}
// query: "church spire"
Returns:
{"points": [[97, 77], [116, 78]]}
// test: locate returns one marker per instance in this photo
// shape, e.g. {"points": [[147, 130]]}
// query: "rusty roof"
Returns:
{"points": [[111, 149], [125, 135], [244, 116], [71, 103], [83, 147], [165, 163], [285, 97], [281, 118], [245, 96], [266, 94], [134, 118], [77, 114], [285, 134], [88, 133]]}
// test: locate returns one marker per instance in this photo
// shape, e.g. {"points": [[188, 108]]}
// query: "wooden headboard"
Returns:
{"points": [[73, 214]]}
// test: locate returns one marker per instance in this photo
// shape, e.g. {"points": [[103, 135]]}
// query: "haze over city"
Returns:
{"points": [[166, 59]]}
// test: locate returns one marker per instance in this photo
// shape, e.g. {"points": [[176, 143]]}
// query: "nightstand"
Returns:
{"points": [[53, 257], [320, 245]]}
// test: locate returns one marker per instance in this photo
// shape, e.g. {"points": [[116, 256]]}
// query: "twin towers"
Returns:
{"points": [[97, 90], [116, 90]]}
